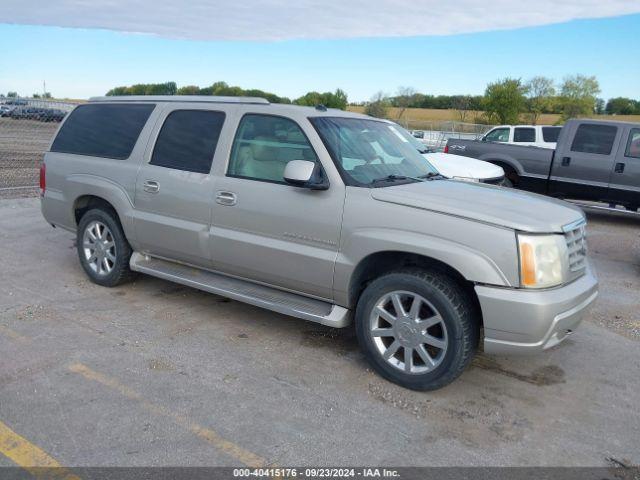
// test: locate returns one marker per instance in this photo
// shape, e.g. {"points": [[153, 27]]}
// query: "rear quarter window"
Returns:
{"points": [[102, 130], [524, 135], [550, 134]]}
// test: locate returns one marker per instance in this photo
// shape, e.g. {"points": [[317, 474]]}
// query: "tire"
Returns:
{"points": [[101, 232], [451, 342]]}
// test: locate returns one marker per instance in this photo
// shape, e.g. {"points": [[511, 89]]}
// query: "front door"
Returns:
{"points": [[174, 190], [266, 230], [582, 167], [625, 176]]}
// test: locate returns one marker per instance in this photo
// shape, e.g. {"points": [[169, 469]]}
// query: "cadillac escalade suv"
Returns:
{"points": [[325, 215]]}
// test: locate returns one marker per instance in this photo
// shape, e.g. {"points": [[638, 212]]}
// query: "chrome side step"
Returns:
{"points": [[243, 291], [603, 208]]}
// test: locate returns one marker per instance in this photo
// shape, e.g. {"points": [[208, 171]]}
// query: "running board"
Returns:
{"points": [[603, 208], [243, 291]]}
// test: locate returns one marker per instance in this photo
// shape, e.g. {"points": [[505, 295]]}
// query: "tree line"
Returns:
{"points": [[337, 99], [512, 100]]}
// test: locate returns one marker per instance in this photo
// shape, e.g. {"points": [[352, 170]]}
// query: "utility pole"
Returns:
{"points": [[44, 88]]}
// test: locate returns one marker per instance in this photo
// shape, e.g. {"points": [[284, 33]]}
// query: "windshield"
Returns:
{"points": [[417, 144], [368, 151]]}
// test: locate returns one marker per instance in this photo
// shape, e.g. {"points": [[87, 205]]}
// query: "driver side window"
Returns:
{"points": [[263, 146], [498, 135]]}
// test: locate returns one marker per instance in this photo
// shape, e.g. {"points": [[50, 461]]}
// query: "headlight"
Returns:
{"points": [[544, 261], [466, 179]]}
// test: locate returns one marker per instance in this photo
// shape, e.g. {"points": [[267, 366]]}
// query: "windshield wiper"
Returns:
{"points": [[393, 178], [431, 176]]}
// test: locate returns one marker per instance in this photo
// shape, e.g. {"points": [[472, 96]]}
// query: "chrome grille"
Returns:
{"points": [[575, 236]]}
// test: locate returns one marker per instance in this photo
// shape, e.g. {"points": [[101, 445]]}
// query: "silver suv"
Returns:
{"points": [[320, 214]]}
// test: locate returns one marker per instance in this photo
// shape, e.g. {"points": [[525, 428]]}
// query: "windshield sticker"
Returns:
{"points": [[398, 134]]}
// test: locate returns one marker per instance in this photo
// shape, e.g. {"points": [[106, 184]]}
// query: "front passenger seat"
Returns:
{"points": [[261, 161]]}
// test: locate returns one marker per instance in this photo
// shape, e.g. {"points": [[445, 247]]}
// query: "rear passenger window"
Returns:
{"points": [[550, 134], [187, 140], [102, 130], [524, 134], [633, 144], [263, 146], [591, 138]]}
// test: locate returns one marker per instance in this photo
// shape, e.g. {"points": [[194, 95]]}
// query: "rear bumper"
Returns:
{"points": [[520, 321]]}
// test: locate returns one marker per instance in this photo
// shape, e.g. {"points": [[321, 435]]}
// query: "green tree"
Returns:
{"points": [[12, 94], [189, 90], [540, 93], [337, 99], [378, 106], [505, 101], [622, 106], [578, 95]]}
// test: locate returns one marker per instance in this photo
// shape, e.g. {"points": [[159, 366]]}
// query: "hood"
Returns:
{"points": [[451, 166], [500, 206]]}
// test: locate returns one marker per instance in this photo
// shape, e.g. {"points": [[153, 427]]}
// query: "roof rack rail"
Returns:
{"points": [[181, 98]]}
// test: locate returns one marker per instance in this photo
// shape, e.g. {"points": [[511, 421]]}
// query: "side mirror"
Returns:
{"points": [[305, 174]]}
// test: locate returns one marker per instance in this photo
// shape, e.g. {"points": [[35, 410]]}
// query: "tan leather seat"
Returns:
{"points": [[261, 161]]}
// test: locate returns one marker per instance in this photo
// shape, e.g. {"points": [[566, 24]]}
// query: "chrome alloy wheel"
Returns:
{"points": [[408, 331], [99, 248]]}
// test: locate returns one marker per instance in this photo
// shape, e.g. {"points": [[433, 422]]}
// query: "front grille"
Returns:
{"points": [[575, 236]]}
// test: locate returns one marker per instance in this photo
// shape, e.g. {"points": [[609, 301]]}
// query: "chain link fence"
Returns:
{"points": [[27, 126]]}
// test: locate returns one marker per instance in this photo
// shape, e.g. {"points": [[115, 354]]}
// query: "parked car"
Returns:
{"points": [[594, 160], [51, 115], [456, 167], [544, 136], [27, 113], [5, 110], [294, 209]]}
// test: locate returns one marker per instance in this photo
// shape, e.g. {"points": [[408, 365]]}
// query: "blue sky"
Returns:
{"points": [[79, 63]]}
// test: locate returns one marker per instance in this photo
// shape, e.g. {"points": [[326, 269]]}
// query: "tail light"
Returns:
{"points": [[43, 179], [446, 149]]}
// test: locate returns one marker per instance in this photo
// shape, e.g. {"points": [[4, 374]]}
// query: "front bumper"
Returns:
{"points": [[519, 321]]}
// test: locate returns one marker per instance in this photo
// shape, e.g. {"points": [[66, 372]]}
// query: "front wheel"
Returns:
{"points": [[417, 328]]}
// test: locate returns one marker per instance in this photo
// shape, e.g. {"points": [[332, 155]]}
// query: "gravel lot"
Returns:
{"points": [[153, 373]]}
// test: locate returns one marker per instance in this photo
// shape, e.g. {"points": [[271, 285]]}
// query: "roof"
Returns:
{"points": [[181, 98], [257, 102]]}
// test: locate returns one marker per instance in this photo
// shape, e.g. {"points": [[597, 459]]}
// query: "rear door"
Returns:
{"points": [[583, 161], [174, 191], [625, 176]]}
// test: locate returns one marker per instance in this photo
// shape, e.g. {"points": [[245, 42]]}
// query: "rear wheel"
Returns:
{"points": [[103, 249], [417, 328]]}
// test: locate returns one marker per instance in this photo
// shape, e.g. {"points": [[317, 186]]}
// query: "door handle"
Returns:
{"points": [[226, 198], [619, 168], [566, 161], [151, 186]]}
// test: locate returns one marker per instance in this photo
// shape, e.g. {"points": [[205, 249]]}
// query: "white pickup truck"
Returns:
{"points": [[544, 136]]}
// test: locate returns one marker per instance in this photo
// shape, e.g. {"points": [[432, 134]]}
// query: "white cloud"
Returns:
{"points": [[314, 19]]}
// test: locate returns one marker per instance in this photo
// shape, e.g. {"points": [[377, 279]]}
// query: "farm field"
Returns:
{"points": [[427, 118]]}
